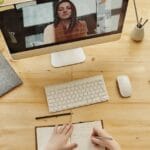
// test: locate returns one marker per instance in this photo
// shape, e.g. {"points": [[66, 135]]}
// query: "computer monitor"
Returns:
{"points": [[36, 27]]}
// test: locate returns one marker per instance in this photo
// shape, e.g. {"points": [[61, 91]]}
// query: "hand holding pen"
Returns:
{"points": [[100, 138]]}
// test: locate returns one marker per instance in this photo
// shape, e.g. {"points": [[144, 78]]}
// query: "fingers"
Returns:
{"points": [[104, 142], [68, 134], [95, 132], [55, 129], [62, 128], [67, 129], [98, 142], [100, 132], [71, 146]]}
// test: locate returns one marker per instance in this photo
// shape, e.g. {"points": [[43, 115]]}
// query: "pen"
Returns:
{"points": [[136, 13], [139, 24], [51, 116], [140, 20], [105, 138], [145, 22]]}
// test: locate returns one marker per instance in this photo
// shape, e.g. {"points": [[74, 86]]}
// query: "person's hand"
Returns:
{"points": [[97, 143], [59, 138]]}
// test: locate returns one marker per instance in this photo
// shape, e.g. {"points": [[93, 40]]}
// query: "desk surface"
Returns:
{"points": [[126, 119]]}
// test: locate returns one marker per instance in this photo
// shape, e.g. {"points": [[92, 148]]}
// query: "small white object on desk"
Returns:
{"points": [[67, 57], [124, 85], [137, 34]]}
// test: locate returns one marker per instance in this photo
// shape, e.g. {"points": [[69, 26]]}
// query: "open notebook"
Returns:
{"points": [[81, 135]]}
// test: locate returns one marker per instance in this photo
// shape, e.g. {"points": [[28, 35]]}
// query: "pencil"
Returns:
{"points": [[140, 23], [136, 13], [52, 116], [105, 138], [140, 20], [145, 22]]}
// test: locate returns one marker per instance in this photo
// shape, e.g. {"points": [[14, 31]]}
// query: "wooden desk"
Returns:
{"points": [[126, 119], [10, 2]]}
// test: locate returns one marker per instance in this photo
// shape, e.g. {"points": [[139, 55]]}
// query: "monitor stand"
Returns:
{"points": [[67, 57]]}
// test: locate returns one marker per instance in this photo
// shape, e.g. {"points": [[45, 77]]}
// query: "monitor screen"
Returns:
{"points": [[48, 23]]}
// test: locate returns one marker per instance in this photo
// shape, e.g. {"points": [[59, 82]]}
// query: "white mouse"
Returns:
{"points": [[124, 85]]}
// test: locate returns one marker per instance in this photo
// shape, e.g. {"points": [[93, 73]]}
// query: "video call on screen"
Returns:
{"points": [[38, 23]]}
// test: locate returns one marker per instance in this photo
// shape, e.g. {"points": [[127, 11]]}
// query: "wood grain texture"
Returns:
{"points": [[10, 2], [127, 120]]}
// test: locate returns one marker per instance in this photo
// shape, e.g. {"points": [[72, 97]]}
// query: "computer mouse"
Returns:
{"points": [[124, 85]]}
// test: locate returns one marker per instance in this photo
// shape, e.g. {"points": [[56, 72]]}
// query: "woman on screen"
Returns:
{"points": [[66, 25]]}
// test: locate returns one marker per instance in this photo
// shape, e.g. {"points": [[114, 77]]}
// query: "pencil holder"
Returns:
{"points": [[137, 34]]}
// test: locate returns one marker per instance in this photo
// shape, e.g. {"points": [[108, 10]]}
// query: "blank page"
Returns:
{"points": [[43, 135]]}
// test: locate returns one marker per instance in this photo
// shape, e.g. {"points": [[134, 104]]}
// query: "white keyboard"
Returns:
{"points": [[76, 93]]}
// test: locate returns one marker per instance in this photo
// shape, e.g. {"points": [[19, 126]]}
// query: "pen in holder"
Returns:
{"points": [[137, 33]]}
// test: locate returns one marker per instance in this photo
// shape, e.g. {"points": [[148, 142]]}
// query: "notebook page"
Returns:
{"points": [[43, 135], [82, 133]]}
